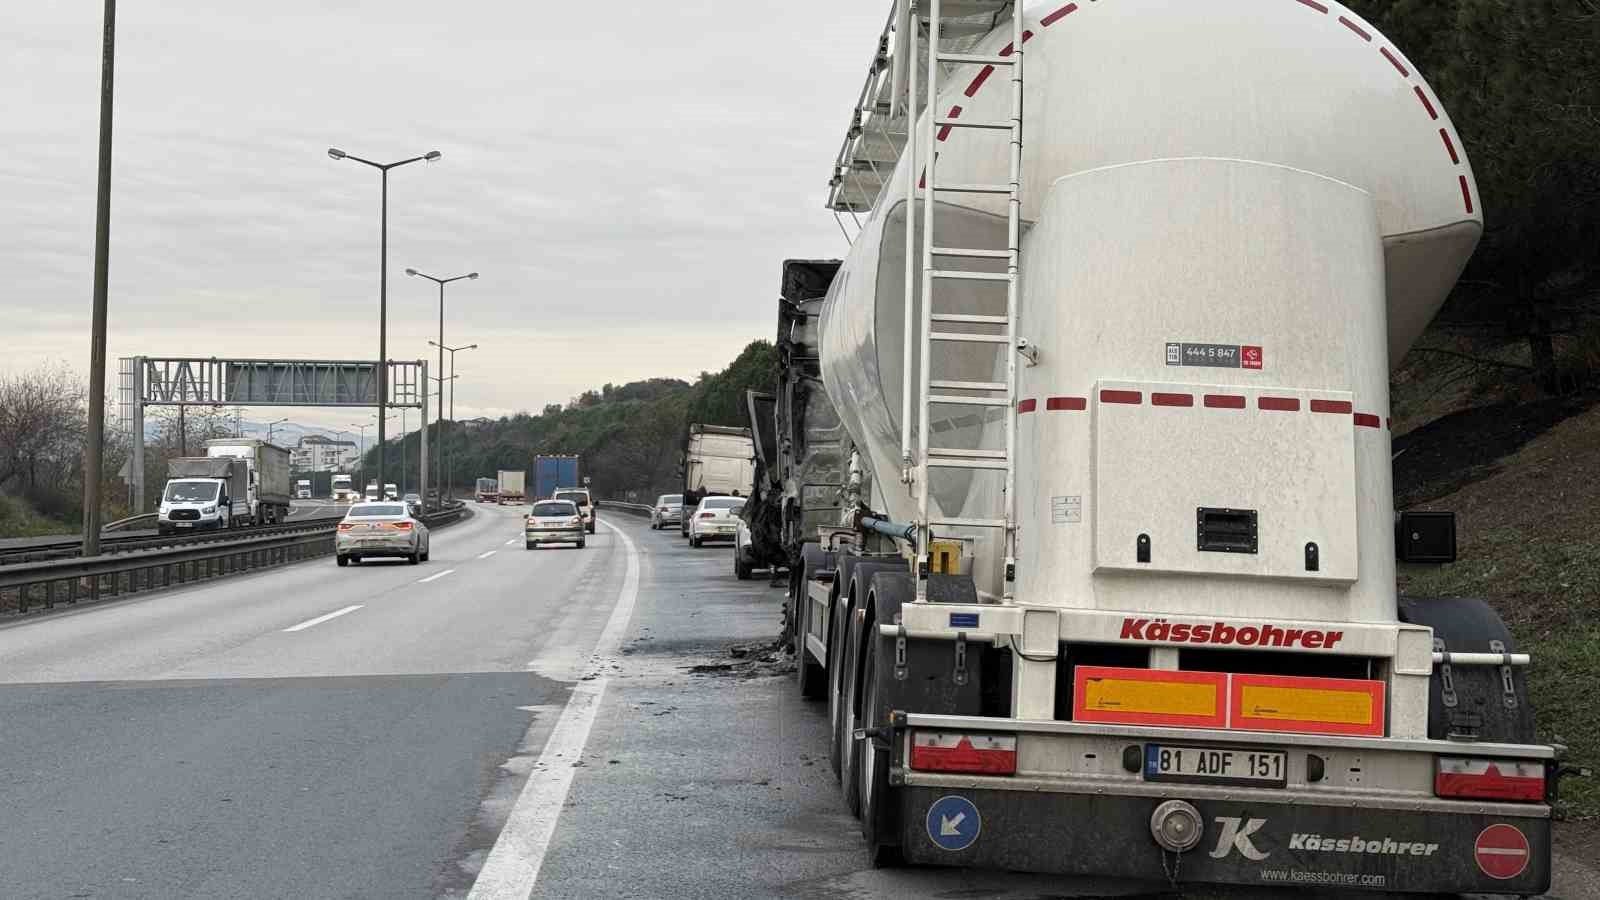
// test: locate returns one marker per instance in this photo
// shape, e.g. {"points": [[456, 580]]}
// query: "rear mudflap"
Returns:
{"points": [[1288, 845]]}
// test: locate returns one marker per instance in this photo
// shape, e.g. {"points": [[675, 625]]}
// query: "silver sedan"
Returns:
{"points": [[381, 529]]}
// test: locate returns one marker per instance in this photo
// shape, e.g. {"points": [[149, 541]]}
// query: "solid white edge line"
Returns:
{"points": [[512, 867], [435, 577], [320, 619], [487, 554]]}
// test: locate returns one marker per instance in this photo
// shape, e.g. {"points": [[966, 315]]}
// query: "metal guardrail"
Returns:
{"points": [[116, 545], [44, 584], [143, 520], [637, 509]]}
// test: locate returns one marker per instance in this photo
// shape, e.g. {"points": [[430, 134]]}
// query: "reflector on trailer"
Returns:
{"points": [[1310, 705], [948, 751], [1489, 779], [1148, 697]]}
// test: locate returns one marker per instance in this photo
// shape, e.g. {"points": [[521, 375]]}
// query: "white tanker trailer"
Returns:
{"points": [[1113, 590]]}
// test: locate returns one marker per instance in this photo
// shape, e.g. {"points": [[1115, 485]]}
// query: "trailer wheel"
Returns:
{"points": [[877, 802], [835, 694], [849, 701], [343, 560]]}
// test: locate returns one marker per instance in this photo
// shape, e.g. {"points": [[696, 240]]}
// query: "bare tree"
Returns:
{"points": [[42, 423]]}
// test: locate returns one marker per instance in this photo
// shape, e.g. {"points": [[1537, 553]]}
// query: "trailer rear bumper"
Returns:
{"points": [[1073, 808]]}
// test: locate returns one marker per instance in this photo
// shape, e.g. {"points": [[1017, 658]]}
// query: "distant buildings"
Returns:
{"points": [[316, 453]]}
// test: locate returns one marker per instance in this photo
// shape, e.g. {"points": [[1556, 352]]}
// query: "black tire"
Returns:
{"points": [[877, 802], [426, 554], [530, 545], [593, 526], [849, 755], [413, 559], [343, 560], [355, 560], [694, 542], [836, 669], [582, 544], [741, 569]]}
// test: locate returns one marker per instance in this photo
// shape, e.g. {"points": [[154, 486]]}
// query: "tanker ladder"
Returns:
{"points": [[997, 331]]}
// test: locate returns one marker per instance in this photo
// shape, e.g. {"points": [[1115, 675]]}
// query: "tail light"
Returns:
{"points": [[1489, 779], [345, 526], [663, 509], [948, 751], [401, 526], [708, 515]]}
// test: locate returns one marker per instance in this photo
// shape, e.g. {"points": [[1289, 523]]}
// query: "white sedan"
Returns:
{"points": [[716, 518], [380, 529]]}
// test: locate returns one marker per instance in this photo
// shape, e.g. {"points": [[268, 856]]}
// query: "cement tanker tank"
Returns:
{"points": [[1270, 175]]}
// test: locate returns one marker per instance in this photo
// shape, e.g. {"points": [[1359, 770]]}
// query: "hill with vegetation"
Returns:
{"points": [[629, 436]]}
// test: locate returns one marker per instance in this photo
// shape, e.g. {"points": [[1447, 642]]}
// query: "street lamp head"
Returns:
{"points": [[432, 156], [335, 153], [472, 275], [472, 346], [411, 271]]}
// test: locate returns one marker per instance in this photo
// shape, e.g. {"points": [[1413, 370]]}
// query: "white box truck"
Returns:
{"points": [[267, 500], [204, 493], [1112, 589], [513, 486], [717, 459]]}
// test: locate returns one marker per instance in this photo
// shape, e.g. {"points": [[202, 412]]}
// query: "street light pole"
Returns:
{"points": [[453, 350], [383, 282], [438, 438], [272, 425], [94, 446], [361, 456]]}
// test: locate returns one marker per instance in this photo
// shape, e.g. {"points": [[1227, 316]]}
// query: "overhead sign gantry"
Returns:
{"points": [[193, 381]]}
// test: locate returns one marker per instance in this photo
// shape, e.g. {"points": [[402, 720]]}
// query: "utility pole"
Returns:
{"points": [[94, 446], [383, 284]]}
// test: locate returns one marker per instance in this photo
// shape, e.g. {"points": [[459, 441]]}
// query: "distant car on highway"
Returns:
{"points": [[585, 504], [380, 530], [413, 503], [716, 518], [553, 522], [667, 511]]}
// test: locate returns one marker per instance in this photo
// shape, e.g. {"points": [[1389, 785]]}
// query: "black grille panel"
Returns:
{"points": [[1225, 530]]}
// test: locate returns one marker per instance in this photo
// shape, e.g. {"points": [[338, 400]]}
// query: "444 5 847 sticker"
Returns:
{"points": [[1216, 356]]}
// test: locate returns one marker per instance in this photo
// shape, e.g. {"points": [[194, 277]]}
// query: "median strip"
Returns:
{"points": [[309, 623]]}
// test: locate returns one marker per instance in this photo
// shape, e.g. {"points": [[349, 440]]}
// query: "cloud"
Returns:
{"points": [[627, 179]]}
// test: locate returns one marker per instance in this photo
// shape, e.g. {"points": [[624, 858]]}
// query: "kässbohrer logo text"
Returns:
{"points": [[1162, 631]]}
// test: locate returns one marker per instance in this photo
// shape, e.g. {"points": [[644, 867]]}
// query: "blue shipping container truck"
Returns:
{"points": [[551, 473]]}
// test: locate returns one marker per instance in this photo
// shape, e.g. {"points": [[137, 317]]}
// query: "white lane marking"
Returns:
{"points": [[511, 542], [487, 555], [435, 577], [320, 619], [512, 867]]}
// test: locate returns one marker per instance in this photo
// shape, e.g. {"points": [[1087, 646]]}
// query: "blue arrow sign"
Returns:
{"points": [[953, 823]]}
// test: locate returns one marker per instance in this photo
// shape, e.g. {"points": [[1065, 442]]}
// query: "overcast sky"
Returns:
{"points": [[627, 179]]}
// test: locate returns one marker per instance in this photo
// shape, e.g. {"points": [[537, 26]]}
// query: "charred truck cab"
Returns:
{"points": [[1103, 581]]}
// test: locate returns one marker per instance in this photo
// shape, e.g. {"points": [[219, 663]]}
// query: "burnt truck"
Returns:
{"points": [[1096, 571]]}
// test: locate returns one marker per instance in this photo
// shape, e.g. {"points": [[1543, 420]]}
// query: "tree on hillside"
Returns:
{"points": [[1521, 79], [719, 399]]}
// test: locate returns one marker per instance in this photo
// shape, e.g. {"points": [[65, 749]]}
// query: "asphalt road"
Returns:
{"points": [[576, 724]]}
